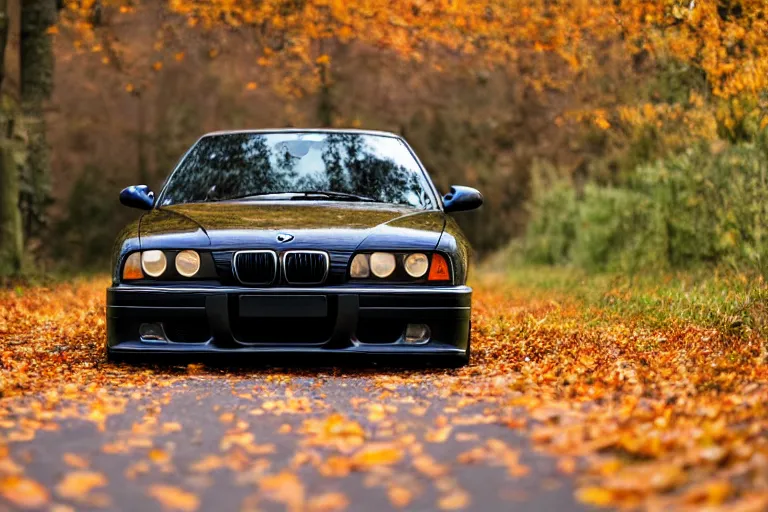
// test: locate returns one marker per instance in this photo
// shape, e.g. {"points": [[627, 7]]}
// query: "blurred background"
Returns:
{"points": [[610, 136]]}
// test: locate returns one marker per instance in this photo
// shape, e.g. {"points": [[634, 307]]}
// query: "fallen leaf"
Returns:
{"points": [[455, 499], [328, 502], [23, 492], [376, 454], [74, 460], [78, 484], [174, 498], [400, 497], [284, 487]]}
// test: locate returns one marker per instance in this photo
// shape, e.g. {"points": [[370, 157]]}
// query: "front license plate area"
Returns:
{"points": [[283, 306]]}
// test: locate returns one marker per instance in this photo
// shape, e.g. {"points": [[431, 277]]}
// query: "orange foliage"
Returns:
{"points": [[656, 418], [730, 45]]}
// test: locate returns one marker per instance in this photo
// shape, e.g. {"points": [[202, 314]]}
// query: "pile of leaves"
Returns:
{"points": [[650, 417]]}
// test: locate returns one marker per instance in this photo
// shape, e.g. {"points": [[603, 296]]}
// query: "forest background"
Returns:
{"points": [[621, 136]]}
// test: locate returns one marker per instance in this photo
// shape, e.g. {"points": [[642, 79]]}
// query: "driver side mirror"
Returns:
{"points": [[461, 199], [138, 196]]}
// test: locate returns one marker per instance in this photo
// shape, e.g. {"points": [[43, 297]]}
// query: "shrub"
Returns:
{"points": [[704, 206], [92, 218]]}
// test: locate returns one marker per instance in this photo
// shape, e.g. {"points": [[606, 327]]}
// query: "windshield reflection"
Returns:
{"points": [[238, 165]]}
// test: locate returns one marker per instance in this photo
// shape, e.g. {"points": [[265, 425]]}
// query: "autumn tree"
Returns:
{"points": [[36, 58], [11, 242], [565, 55]]}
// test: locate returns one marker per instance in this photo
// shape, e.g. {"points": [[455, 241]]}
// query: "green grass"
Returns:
{"points": [[735, 304]]}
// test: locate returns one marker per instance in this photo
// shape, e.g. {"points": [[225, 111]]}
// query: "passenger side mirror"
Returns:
{"points": [[138, 196], [461, 199]]}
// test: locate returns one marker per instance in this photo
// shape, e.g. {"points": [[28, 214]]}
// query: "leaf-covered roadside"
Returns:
{"points": [[650, 416]]}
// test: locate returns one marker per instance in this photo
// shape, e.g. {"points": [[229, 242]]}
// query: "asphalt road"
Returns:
{"points": [[268, 440]]}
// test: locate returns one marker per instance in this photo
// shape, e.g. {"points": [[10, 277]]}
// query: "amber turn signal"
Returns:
{"points": [[439, 271], [132, 267]]}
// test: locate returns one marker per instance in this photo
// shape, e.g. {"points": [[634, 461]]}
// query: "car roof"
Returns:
{"points": [[308, 130]]}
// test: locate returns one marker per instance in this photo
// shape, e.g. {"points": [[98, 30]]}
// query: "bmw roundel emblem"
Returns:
{"points": [[284, 237]]}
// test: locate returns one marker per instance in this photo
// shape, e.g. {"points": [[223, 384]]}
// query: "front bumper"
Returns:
{"points": [[353, 320]]}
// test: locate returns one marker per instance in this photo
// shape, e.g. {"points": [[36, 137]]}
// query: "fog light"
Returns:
{"points": [[152, 332], [416, 334]]}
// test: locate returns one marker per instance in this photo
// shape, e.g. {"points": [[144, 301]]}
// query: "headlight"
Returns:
{"points": [[360, 268], [154, 263], [382, 264], [416, 264], [187, 263]]}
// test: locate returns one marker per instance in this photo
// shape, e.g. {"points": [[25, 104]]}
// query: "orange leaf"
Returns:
{"points": [[377, 454], [78, 484], [173, 498], [23, 492]]}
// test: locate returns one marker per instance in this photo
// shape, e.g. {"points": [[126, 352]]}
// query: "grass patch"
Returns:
{"points": [[733, 303]]}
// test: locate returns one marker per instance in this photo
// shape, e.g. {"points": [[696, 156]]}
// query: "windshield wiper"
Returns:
{"points": [[247, 196], [294, 195], [329, 194]]}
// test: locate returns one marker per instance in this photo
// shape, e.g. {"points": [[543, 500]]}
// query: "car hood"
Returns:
{"points": [[314, 225]]}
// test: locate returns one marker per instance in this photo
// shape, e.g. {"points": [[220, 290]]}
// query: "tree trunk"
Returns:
{"points": [[11, 242], [36, 54], [141, 140], [325, 107]]}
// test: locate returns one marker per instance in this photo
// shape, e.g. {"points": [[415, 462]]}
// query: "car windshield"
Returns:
{"points": [[299, 166]]}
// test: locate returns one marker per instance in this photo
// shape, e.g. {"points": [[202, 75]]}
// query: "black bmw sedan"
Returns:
{"points": [[294, 242]]}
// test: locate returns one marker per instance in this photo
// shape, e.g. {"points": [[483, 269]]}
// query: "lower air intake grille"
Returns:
{"points": [[187, 331], [255, 267], [305, 267]]}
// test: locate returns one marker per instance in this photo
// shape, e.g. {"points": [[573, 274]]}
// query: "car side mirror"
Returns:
{"points": [[461, 199], [138, 196]]}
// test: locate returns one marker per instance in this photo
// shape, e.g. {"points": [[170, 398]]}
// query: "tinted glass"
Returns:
{"points": [[240, 165]]}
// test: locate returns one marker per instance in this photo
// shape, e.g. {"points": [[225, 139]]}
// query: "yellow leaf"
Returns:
{"points": [[399, 496], [207, 464], [328, 502], [439, 435], [158, 456], [284, 488], [454, 500], [595, 496], [428, 466], [566, 465], [78, 484], [335, 466], [377, 454], [74, 460], [171, 426], [23, 492], [173, 498]]}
